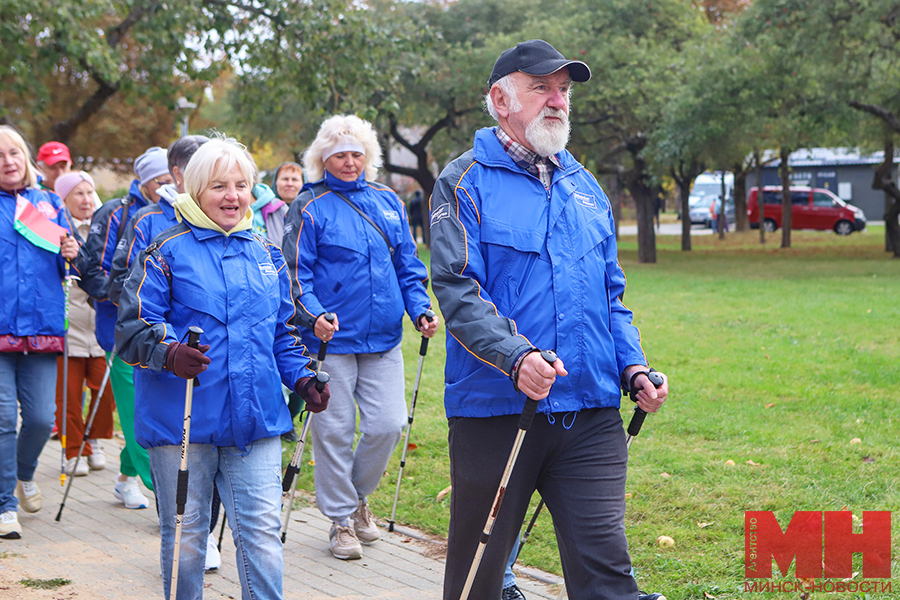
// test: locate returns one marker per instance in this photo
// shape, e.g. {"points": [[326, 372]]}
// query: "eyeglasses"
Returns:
{"points": [[161, 183]]}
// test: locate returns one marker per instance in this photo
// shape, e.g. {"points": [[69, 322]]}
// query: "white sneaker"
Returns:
{"points": [[97, 460], [130, 494], [364, 524], [9, 526], [343, 542], [81, 470], [213, 558], [29, 496]]}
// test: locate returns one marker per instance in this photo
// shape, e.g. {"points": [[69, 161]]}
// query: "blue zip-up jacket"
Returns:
{"points": [[32, 299], [516, 266], [142, 229], [235, 288], [340, 263], [95, 260]]}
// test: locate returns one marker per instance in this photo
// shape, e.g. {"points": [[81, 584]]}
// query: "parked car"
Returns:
{"points": [[700, 210], [706, 184], [811, 208]]}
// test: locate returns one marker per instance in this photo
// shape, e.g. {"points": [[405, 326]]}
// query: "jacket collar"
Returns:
{"points": [[489, 151]]}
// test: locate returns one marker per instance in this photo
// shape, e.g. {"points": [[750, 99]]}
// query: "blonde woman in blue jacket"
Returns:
{"points": [[210, 270]]}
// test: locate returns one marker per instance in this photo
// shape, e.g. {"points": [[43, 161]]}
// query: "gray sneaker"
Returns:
{"points": [[364, 524], [29, 496], [343, 542], [9, 526]]}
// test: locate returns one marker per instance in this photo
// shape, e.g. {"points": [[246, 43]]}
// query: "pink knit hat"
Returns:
{"points": [[66, 183]]}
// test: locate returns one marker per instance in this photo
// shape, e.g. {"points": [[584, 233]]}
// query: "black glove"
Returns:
{"points": [[186, 362], [316, 401]]}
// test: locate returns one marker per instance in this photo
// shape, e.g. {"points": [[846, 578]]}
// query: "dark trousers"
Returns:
{"points": [[577, 463]]}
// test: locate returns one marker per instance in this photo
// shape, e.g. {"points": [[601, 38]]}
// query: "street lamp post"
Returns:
{"points": [[185, 107]]}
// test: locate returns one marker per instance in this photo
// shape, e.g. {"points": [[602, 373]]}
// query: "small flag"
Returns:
{"points": [[37, 228]]}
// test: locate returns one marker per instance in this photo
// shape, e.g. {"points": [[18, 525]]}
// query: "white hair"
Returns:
{"points": [[508, 85], [213, 160], [337, 129]]}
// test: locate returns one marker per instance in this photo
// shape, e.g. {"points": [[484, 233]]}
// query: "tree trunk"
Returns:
{"points": [[741, 220], [684, 177], [888, 199], [722, 217], [757, 159], [884, 180], [784, 170], [684, 196], [637, 182], [615, 199]]}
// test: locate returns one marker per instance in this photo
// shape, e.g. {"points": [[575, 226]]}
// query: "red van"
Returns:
{"points": [[811, 208]]}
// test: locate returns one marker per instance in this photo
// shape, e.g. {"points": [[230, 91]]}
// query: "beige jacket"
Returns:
{"points": [[82, 341]]}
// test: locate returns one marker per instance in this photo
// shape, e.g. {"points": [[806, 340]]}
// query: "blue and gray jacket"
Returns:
{"points": [[236, 288], [340, 263], [95, 259], [142, 228], [515, 267]]}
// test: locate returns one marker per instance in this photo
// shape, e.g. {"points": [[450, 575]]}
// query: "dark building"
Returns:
{"points": [[843, 171]]}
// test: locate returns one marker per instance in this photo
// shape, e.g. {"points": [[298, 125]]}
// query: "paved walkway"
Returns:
{"points": [[108, 551]]}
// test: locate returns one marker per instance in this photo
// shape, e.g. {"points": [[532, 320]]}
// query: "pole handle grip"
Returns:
{"points": [[637, 421], [530, 404], [423, 349], [323, 347], [194, 341], [321, 379]]}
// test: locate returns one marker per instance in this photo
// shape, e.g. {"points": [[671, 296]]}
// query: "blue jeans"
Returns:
{"points": [[509, 578], [250, 488], [27, 381]]}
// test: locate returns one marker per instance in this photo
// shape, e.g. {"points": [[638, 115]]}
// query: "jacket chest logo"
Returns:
{"points": [[268, 269], [585, 200], [440, 213], [391, 215]]}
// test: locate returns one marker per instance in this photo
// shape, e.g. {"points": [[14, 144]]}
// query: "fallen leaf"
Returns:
{"points": [[767, 356], [856, 441], [704, 525], [708, 596], [770, 405], [664, 475], [868, 459], [729, 463], [411, 446], [443, 493], [627, 496], [753, 464], [312, 463], [814, 441]]}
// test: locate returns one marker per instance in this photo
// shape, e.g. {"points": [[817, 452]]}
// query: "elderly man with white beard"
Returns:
{"points": [[524, 259]]}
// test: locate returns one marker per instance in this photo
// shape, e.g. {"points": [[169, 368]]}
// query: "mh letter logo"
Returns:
{"points": [[821, 547]]}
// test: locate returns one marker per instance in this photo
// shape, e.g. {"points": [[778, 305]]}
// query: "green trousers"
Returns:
{"points": [[133, 459]]}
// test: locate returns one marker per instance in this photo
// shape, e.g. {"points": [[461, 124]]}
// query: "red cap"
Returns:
{"points": [[53, 152]]}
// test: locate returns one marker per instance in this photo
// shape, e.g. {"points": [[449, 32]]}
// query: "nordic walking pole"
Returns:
{"points": [[87, 431], [182, 489], [524, 424], [531, 523], [289, 483], [634, 427], [222, 531], [65, 395], [423, 349]]}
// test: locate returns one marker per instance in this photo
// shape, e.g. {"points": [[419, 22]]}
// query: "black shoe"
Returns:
{"points": [[290, 436], [512, 593], [643, 596]]}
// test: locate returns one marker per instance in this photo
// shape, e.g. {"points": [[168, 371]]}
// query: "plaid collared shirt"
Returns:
{"points": [[539, 166]]}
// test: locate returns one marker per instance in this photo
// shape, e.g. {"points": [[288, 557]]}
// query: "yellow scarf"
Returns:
{"points": [[187, 208]]}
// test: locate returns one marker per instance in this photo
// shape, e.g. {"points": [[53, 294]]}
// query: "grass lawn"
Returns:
{"points": [[783, 361]]}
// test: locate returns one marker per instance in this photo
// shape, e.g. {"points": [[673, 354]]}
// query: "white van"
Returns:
{"points": [[706, 189]]}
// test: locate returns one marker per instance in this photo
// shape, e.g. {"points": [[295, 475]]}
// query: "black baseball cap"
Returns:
{"points": [[537, 57]]}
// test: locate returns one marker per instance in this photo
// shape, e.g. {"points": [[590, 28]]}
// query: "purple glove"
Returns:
{"points": [[316, 401], [186, 362]]}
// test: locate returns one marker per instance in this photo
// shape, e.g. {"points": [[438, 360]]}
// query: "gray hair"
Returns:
{"points": [[508, 85]]}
